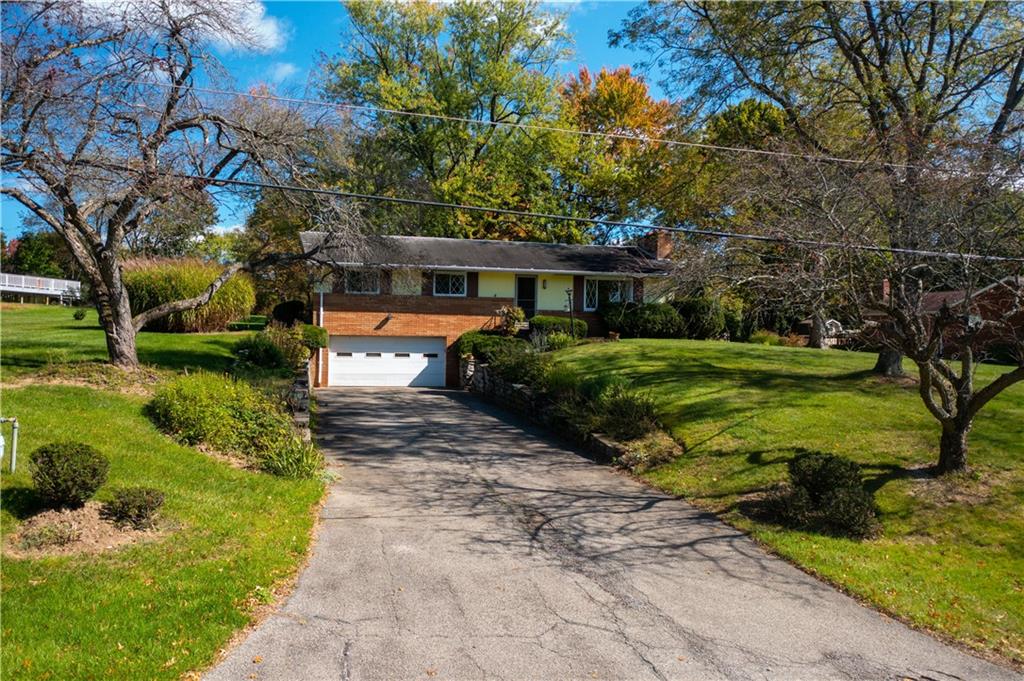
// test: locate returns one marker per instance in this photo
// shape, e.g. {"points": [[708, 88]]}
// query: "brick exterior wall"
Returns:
{"points": [[429, 316]]}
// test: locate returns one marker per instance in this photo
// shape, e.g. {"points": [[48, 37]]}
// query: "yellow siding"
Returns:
{"points": [[658, 289], [552, 297], [497, 285]]}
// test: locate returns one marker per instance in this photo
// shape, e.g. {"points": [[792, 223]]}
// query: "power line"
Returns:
{"points": [[806, 243], [527, 126]]}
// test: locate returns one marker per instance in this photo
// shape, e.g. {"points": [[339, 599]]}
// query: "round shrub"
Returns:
{"points": [[702, 317], [67, 474], [821, 474], [649, 320], [550, 323], [79, 314], [314, 337], [134, 507], [519, 364], [289, 312], [850, 512], [259, 351], [154, 282]]}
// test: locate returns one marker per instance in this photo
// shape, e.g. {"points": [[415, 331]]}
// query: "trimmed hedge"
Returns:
{"points": [[550, 323], [155, 282], [483, 345], [314, 337], [649, 320]]}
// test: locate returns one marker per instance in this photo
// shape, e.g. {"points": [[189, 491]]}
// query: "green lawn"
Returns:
{"points": [[951, 558], [37, 335], [153, 610]]}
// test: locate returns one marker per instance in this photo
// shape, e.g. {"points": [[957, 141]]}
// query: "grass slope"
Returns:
{"points": [[154, 610], [37, 335], [951, 558]]}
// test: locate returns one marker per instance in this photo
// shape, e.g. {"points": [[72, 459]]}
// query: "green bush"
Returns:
{"points": [[67, 474], [549, 323], [702, 317], [154, 282], [290, 340], [483, 345], [59, 533], [293, 459], [79, 314], [561, 381], [765, 337], [314, 337], [134, 507], [248, 324], [826, 493], [732, 313], [519, 364], [648, 320], [260, 351], [627, 414], [594, 388], [511, 317], [232, 417], [556, 340], [821, 474]]}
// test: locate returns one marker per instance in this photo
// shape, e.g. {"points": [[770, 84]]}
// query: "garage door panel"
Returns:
{"points": [[386, 361]]}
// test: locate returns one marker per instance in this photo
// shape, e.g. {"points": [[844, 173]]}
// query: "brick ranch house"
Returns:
{"points": [[394, 309]]}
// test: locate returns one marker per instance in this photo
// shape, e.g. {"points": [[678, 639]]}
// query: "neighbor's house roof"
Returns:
{"points": [[434, 253]]}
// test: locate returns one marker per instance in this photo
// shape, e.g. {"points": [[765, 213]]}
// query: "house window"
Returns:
{"points": [[597, 292], [449, 283], [362, 281]]}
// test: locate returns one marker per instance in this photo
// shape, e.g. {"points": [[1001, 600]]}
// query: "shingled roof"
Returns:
{"points": [[435, 253]]}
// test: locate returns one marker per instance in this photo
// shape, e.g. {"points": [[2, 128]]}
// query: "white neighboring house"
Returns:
{"points": [[28, 288]]}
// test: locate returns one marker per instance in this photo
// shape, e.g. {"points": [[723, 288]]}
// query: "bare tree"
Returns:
{"points": [[952, 301], [103, 127]]}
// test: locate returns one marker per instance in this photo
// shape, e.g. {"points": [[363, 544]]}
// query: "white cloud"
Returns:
{"points": [[227, 228], [281, 71]]}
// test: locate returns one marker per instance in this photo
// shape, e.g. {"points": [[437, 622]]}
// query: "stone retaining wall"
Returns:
{"points": [[477, 377]]}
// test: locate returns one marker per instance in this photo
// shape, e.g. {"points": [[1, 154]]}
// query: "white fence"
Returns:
{"points": [[40, 286]]}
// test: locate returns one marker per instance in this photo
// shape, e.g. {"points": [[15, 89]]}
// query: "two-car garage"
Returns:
{"points": [[386, 361]]}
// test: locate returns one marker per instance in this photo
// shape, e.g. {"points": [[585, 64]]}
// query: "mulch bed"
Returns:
{"points": [[95, 533]]}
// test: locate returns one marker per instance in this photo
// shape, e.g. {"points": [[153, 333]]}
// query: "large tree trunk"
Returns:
{"points": [[115, 313], [120, 332], [818, 331], [890, 363], [953, 447]]}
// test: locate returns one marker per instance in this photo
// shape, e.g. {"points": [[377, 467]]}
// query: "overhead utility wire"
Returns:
{"points": [[807, 243], [526, 126]]}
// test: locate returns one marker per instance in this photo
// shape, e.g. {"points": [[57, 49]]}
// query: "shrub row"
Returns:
{"points": [[482, 344], [698, 317], [155, 282], [548, 324], [233, 417]]}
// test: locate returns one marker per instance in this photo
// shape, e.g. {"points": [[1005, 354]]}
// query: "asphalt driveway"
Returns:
{"points": [[460, 543]]}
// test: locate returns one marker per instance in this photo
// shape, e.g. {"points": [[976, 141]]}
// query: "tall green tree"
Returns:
{"points": [[489, 62]]}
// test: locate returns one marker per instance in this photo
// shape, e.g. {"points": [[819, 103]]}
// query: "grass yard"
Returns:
{"points": [[152, 610], [37, 335], [951, 557]]}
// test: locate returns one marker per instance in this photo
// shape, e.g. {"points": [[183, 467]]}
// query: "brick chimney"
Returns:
{"points": [[657, 243]]}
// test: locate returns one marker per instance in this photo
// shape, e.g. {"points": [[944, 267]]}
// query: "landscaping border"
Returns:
{"points": [[477, 377]]}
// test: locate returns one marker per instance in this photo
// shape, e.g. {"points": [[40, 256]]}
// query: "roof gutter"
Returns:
{"points": [[476, 268]]}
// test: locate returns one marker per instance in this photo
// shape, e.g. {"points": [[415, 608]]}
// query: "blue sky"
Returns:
{"points": [[302, 30]]}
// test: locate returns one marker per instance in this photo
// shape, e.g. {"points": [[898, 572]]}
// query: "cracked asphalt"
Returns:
{"points": [[461, 543]]}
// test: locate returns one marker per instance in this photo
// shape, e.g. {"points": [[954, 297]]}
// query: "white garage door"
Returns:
{"points": [[377, 360]]}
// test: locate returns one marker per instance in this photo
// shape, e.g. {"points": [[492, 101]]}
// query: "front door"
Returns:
{"points": [[526, 295]]}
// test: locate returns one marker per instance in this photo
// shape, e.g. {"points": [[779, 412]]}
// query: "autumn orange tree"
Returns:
{"points": [[609, 177]]}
